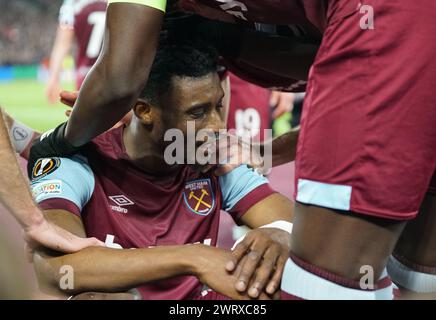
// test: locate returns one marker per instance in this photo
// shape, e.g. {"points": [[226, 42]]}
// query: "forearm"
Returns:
{"points": [[97, 108], [114, 270], [60, 50], [284, 147], [276, 205], [113, 84], [21, 135], [14, 190]]}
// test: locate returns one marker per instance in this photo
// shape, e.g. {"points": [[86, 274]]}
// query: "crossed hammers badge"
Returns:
{"points": [[200, 198]]}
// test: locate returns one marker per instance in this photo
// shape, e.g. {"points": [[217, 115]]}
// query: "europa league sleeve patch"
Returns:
{"points": [[63, 178], [44, 167]]}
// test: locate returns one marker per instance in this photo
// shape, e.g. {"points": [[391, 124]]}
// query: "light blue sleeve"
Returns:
{"points": [[72, 179], [236, 184]]}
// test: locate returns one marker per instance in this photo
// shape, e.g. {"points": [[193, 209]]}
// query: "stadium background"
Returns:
{"points": [[27, 32]]}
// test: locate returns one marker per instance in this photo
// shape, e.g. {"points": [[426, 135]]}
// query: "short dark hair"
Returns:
{"points": [[182, 59]]}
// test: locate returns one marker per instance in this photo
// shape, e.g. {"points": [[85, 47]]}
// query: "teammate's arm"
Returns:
{"points": [[265, 249], [283, 149], [261, 255], [14, 191], [21, 136], [273, 208], [62, 46], [113, 84], [15, 195]]}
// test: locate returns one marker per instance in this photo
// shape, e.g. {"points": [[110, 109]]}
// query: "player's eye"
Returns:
{"points": [[198, 113]]}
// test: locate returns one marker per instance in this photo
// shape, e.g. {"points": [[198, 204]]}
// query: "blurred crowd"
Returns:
{"points": [[27, 30]]}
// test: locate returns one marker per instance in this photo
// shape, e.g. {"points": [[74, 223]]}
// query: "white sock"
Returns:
{"points": [[410, 279], [302, 284]]}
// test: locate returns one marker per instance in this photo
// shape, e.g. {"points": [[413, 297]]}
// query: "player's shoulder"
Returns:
{"points": [[242, 178], [239, 183], [66, 168], [63, 178]]}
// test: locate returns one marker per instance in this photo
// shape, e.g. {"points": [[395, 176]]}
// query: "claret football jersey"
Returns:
{"points": [[127, 208]]}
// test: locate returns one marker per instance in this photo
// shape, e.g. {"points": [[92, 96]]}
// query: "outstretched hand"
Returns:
{"points": [[260, 258], [210, 270], [54, 237]]}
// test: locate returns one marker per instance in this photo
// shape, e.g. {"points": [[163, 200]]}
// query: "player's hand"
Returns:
{"points": [[230, 152], [210, 270], [52, 91], [282, 102], [54, 237], [261, 257], [68, 97]]}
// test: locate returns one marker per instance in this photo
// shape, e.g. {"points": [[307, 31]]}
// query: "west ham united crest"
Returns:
{"points": [[199, 196]]}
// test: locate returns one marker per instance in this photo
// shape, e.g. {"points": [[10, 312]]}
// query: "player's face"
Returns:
{"points": [[191, 104], [195, 100]]}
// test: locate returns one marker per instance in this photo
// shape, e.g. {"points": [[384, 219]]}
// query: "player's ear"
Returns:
{"points": [[144, 112]]}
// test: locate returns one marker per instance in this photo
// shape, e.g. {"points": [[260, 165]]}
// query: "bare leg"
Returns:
{"points": [[417, 243], [342, 242]]}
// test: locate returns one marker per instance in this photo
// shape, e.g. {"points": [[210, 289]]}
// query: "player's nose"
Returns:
{"points": [[216, 123]]}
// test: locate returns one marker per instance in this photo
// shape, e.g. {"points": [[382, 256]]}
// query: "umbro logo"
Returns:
{"points": [[120, 202]]}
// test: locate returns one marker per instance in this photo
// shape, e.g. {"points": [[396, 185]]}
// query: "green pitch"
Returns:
{"points": [[25, 100]]}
